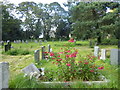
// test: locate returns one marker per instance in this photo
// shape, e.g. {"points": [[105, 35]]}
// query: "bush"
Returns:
{"points": [[17, 52], [110, 41]]}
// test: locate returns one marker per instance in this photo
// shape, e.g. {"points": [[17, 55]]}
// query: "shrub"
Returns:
{"points": [[69, 68], [110, 41], [17, 52]]}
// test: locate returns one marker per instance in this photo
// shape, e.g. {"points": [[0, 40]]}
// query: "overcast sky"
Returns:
{"points": [[37, 1]]}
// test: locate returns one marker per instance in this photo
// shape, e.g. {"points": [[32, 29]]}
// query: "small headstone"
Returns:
{"points": [[42, 51], [22, 41], [36, 55], [36, 41], [31, 68], [103, 54], [26, 42], [6, 47], [115, 56], [96, 51], [118, 44], [45, 41], [90, 43], [49, 48], [4, 75], [2, 43]]}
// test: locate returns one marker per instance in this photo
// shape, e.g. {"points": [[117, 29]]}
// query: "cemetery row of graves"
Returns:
{"points": [[61, 63]]}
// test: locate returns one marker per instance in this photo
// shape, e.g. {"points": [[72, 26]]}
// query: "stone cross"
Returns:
{"points": [[96, 51], [49, 48], [43, 50], [115, 56], [4, 75], [37, 55], [103, 54]]}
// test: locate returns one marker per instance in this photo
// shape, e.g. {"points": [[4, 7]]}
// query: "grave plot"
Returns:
{"points": [[64, 65]]}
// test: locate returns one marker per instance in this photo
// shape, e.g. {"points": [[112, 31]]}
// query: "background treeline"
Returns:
{"points": [[84, 21]]}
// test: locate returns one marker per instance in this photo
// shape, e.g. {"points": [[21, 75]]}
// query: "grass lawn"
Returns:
{"points": [[18, 62]]}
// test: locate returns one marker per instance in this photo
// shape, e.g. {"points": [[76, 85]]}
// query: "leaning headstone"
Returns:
{"points": [[36, 55], [31, 68], [22, 41], [49, 48], [96, 51], [4, 75], [103, 54], [42, 51], [115, 56]]}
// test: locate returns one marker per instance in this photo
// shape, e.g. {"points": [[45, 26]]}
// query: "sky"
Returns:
{"points": [[37, 1]]}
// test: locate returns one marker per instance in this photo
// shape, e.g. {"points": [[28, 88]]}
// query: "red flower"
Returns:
{"points": [[51, 54], [59, 60], [67, 51], [79, 61], [53, 58], [91, 70], [72, 55], [45, 52], [68, 64], [100, 68], [71, 40], [60, 52], [86, 63], [58, 56], [67, 56], [56, 63], [53, 62]]}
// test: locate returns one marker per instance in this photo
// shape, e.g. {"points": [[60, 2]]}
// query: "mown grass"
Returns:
{"points": [[18, 62]]}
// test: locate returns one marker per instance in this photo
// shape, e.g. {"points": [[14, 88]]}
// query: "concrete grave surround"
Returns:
{"points": [[96, 51], [103, 54], [115, 56], [4, 75]]}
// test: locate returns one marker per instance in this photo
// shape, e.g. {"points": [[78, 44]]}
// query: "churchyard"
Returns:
{"points": [[58, 64]]}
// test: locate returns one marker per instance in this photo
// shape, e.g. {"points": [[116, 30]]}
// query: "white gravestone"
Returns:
{"points": [[103, 54], [31, 68], [96, 51], [4, 75], [115, 56]]}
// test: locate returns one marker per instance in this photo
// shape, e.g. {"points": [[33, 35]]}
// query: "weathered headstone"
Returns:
{"points": [[31, 68], [4, 75], [96, 51], [103, 54], [115, 56], [37, 55], [49, 48], [42, 51]]}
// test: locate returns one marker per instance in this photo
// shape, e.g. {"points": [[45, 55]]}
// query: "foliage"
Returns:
{"points": [[91, 20], [71, 69], [17, 52]]}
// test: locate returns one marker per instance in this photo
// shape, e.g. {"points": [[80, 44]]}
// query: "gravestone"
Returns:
{"points": [[90, 43], [118, 44], [4, 75], [96, 51], [36, 55], [22, 41], [42, 51], [31, 68], [115, 56], [49, 48], [103, 54]]}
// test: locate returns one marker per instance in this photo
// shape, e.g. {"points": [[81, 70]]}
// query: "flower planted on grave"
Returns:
{"points": [[72, 42], [70, 68]]}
